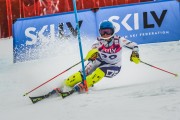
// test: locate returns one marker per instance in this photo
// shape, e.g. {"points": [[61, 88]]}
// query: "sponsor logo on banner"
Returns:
{"points": [[158, 20], [47, 33]]}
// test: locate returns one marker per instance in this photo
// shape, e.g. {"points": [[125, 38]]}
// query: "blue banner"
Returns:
{"points": [[32, 35], [142, 23], [145, 23]]}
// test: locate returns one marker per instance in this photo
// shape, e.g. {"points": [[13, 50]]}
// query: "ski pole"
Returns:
{"points": [[51, 79], [159, 69]]}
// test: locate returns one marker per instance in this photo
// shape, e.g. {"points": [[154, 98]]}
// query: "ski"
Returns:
{"points": [[37, 99], [66, 94], [60, 93]]}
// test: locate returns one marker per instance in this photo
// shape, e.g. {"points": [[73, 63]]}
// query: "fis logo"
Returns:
{"points": [[135, 17]]}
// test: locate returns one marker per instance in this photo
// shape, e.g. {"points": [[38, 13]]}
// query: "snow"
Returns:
{"points": [[139, 92]]}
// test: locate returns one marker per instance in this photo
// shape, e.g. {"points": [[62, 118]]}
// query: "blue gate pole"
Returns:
{"points": [[80, 46]]}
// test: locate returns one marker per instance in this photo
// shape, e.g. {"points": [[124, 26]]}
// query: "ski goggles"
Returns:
{"points": [[106, 31]]}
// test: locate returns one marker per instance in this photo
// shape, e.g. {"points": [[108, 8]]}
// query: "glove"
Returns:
{"points": [[92, 54], [135, 57]]}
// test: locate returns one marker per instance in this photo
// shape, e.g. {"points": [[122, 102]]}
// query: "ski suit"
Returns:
{"points": [[107, 64], [109, 56]]}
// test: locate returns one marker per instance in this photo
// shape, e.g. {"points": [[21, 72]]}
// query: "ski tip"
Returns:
{"points": [[36, 99], [32, 100], [25, 94]]}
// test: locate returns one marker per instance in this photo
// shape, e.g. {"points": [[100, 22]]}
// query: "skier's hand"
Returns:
{"points": [[135, 57], [92, 54]]}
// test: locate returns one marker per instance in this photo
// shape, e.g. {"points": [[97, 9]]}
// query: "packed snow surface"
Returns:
{"points": [[138, 92]]}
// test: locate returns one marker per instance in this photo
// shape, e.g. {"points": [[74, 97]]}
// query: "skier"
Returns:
{"points": [[104, 60]]}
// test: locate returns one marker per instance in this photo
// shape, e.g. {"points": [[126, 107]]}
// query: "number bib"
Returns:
{"points": [[111, 54]]}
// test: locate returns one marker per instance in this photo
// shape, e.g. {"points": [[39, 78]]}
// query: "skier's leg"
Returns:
{"points": [[56, 91], [73, 79], [95, 77], [105, 70], [110, 70], [77, 77], [91, 79]]}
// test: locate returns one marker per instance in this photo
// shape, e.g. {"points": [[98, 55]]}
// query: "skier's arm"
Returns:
{"points": [[135, 50], [96, 45], [93, 53], [129, 44]]}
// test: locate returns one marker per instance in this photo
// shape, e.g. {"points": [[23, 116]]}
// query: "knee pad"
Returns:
{"points": [[95, 77], [73, 79]]}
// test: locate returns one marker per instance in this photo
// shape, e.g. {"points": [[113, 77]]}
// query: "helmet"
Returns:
{"points": [[105, 25]]}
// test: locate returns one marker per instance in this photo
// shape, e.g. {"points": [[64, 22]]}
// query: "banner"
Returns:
{"points": [[158, 23], [32, 35], [145, 23]]}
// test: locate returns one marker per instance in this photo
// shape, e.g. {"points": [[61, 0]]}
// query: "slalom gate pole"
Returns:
{"points": [[80, 46], [159, 69], [51, 79]]}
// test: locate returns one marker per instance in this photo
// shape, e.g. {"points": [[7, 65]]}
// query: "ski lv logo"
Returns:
{"points": [[157, 18], [33, 34]]}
